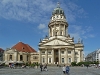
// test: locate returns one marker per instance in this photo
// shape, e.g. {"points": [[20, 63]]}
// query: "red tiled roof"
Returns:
{"points": [[23, 47]]}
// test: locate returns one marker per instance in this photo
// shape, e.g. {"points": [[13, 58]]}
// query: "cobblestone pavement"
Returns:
{"points": [[51, 71]]}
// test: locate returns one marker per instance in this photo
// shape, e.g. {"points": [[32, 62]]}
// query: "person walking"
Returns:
{"points": [[67, 69], [41, 66], [45, 67], [64, 69]]}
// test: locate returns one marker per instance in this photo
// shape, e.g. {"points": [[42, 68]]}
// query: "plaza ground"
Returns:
{"points": [[51, 71]]}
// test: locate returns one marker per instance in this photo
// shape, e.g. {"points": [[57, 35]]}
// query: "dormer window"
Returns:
{"points": [[23, 48]]}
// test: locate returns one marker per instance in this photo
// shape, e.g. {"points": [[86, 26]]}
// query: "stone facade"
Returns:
{"points": [[21, 53], [59, 47], [93, 56]]}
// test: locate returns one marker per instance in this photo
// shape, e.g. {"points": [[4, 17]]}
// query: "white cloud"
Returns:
{"points": [[78, 31], [27, 10], [37, 10], [41, 26], [73, 11]]}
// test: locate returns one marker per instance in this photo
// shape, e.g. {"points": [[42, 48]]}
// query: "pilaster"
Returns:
{"points": [[73, 54], [46, 56], [52, 56], [40, 57], [66, 55]]}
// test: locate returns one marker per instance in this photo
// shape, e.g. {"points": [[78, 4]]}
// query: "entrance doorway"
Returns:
{"points": [[56, 59]]}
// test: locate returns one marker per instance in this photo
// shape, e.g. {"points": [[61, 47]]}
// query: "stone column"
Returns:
{"points": [[46, 56], [6, 57], [59, 56], [64, 32], [40, 56], [73, 53], [15, 56], [59, 29], [49, 32], [66, 56], [81, 56], [52, 56]]}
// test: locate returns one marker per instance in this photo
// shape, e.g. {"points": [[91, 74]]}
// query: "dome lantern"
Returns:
{"points": [[58, 10]]}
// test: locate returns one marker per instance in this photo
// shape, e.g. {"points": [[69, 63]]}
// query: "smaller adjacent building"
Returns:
{"points": [[1, 54], [93, 56], [20, 53]]}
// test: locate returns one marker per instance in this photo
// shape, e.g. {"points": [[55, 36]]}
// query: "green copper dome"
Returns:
{"points": [[58, 10]]}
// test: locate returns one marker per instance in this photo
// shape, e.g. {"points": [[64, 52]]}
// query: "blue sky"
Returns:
{"points": [[27, 21]]}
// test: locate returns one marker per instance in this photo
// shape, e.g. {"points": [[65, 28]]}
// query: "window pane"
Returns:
{"points": [[49, 60], [62, 60], [69, 52], [21, 57], [10, 57]]}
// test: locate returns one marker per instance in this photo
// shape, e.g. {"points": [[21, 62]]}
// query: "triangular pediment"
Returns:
{"points": [[56, 41]]}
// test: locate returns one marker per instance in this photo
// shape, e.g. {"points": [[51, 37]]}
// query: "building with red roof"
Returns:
{"points": [[23, 47], [21, 53]]}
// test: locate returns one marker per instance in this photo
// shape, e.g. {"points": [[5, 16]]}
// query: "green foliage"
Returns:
{"points": [[80, 63], [84, 63], [27, 64], [73, 64], [34, 64]]}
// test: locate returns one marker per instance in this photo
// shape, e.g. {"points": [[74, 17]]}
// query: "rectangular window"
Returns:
{"points": [[10, 57], [62, 60], [43, 60], [49, 52], [27, 57], [21, 58], [76, 53], [69, 59], [49, 60], [35, 57], [43, 52], [76, 59], [69, 52], [62, 52]]}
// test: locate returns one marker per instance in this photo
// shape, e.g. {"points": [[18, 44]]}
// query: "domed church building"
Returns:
{"points": [[59, 47]]}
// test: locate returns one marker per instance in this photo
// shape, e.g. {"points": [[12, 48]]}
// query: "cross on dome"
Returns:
{"points": [[58, 4]]}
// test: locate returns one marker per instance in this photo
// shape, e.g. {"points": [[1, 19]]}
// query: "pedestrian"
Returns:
{"points": [[67, 69], [64, 69], [87, 66], [45, 67], [41, 66]]}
